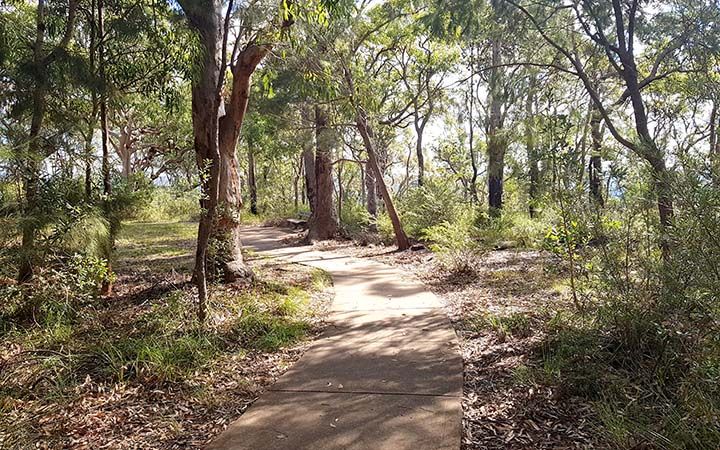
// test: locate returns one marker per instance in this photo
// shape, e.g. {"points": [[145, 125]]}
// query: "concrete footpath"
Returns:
{"points": [[386, 375]]}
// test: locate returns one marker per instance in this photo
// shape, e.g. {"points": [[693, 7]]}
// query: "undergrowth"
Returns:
{"points": [[72, 337]]}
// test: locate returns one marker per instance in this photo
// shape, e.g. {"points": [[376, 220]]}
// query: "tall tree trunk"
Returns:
{"points": [[88, 162], [532, 151], [252, 183], [32, 181], [595, 165], [205, 117], [341, 194], [371, 196], [125, 148], [420, 124], [323, 223], [226, 233], [297, 174], [126, 160], [308, 156], [93, 115], [715, 143], [106, 288], [33, 154], [474, 198], [420, 158], [654, 155], [497, 141], [366, 132]]}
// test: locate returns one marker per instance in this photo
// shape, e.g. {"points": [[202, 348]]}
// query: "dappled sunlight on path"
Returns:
{"points": [[385, 375]]}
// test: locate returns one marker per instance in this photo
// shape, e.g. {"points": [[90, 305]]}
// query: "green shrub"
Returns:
{"points": [[166, 205], [456, 244], [425, 206], [515, 324], [354, 218], [385, 229]]}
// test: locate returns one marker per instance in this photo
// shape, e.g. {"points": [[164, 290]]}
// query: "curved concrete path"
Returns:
{"points": [[386, 375]]}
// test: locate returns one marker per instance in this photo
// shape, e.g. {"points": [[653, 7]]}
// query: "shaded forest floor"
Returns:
{"points": [[501, 310], [131, 371]]}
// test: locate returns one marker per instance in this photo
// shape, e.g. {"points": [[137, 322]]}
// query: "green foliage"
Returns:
{"points": [[167, 205], [515, 324], [354, 218], [385, 228], [512, 229], [431, 204], [167, 347], [562, 236], [55, 294], [645, 349], [456, 244]]}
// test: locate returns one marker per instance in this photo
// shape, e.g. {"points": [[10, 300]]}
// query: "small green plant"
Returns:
{"points": [[354, 218], [456, 244], [517, 324], [168, 205], [431, 204]]}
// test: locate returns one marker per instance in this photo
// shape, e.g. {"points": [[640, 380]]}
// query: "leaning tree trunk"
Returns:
{"points": [[366, 132], [595, 165], [371, 196], [228, 258], [323, 223], [655, 157]]}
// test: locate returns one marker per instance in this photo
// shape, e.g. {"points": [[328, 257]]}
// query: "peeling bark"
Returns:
{"points": [[228, 258]]}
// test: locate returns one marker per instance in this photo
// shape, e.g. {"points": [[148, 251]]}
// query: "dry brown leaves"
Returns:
{"points": [[99, 414]]}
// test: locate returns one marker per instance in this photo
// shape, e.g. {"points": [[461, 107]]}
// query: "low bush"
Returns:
{"points": [[166, 205], [355, 218], [428, 205], [456, 244], [157, 344], [644, 348]]}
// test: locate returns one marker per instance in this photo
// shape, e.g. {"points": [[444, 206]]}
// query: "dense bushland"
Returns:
{"points": [[587, 133]]}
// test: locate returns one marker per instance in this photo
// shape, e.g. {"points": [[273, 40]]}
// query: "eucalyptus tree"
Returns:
{"points": [[34, 75], [150, 137], [488, 30], [307, 88], [238, 38], [419, 64], [628, 33], [497, 107], [358, 60]]}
